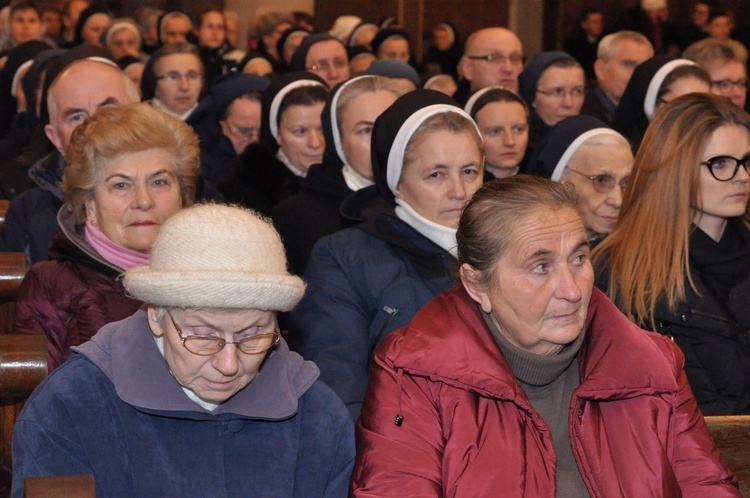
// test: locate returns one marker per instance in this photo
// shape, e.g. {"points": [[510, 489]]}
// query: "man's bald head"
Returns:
{"points": [[81, 89], [492, 57]]}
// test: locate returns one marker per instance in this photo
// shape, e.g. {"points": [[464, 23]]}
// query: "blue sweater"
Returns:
{"points": [[115, 411]]}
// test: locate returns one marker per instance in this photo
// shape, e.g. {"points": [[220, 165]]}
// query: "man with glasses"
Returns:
{"points": [[492, 57], [597, 160], [196, 394], [176, 73], [726, 64]]}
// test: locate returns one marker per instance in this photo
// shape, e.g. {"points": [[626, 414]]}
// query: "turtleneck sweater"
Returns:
{"points": [[549, 382]]}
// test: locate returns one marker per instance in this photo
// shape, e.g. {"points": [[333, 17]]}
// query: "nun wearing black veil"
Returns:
{"points": [[369, 280], [291, 140]]}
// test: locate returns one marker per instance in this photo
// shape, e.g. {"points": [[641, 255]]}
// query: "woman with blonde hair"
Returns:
{"points": [[128, 170], [678, 261]]}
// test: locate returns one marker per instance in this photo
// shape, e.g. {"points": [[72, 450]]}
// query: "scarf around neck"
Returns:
{"points": [[114, 253], [723, 264]]}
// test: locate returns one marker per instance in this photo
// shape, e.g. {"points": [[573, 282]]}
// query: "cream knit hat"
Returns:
{"points": [[216, 256]]}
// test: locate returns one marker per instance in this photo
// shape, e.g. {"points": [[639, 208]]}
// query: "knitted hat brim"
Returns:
{"points": [[214, 289]]}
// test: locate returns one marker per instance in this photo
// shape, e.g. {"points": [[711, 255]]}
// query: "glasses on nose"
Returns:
{"points": [[604, 184], [560, 92], [176, 76], [242, 132], [724, 168], [207, 346], [727, 85], [326, 65], [497, 59]]}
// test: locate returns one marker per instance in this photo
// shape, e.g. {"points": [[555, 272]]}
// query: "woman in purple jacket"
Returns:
{"points": [[128, 170]]}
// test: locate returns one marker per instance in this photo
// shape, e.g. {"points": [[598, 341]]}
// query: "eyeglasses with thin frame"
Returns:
{"points": [[242, 132], [604, 184], [326, 65], [560, 92], [727, 85], [725, 168], [207, 346], [513, 59], [176, 76]]}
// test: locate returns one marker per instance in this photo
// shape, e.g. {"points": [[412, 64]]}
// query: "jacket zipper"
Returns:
{"points": [[580, 454]]}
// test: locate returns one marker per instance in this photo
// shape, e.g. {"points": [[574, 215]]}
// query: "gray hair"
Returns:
{"points": [[608, 45]]}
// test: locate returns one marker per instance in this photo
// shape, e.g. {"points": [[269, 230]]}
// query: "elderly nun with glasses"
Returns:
{"points": [[196, 394], [597, 160]]}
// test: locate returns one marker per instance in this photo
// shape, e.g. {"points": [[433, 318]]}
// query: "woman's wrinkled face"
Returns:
{"points": [[136, 193], [601, 208], [356, 128], [217, 377], [505, 130], [719, 201], [444, 172], [124, 42], [301, 135], [540, 288]]}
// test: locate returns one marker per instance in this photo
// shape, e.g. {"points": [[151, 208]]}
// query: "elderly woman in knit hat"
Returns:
{"points": [[369, 280], [196, 394], [597, 160]]}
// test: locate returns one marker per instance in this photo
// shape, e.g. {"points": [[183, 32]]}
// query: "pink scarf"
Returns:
{"points": [[116, 254]]}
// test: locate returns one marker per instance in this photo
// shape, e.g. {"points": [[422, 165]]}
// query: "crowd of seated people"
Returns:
{"points": [[414, 247]]}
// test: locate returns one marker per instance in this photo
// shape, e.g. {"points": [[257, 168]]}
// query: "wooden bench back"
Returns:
{"points": [[4, 205], [732, 437], [23, 360]]}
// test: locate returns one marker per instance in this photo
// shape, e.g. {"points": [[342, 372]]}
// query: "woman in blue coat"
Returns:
{"points": [[196, 394], [366, 281]]}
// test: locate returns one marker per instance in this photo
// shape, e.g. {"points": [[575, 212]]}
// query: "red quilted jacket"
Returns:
{"points": [[467, 428]]}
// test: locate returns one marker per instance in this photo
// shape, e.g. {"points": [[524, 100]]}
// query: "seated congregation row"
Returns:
{"points": [[367, 185], [519, 378]]}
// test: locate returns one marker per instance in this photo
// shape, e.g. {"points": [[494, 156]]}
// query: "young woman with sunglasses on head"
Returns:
{"points": [[678, 261]]}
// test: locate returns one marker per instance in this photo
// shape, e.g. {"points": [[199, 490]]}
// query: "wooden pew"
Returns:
{"points": [[12, 271], [4, 204], [59, 487], [732, 436], [23, 360]]}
